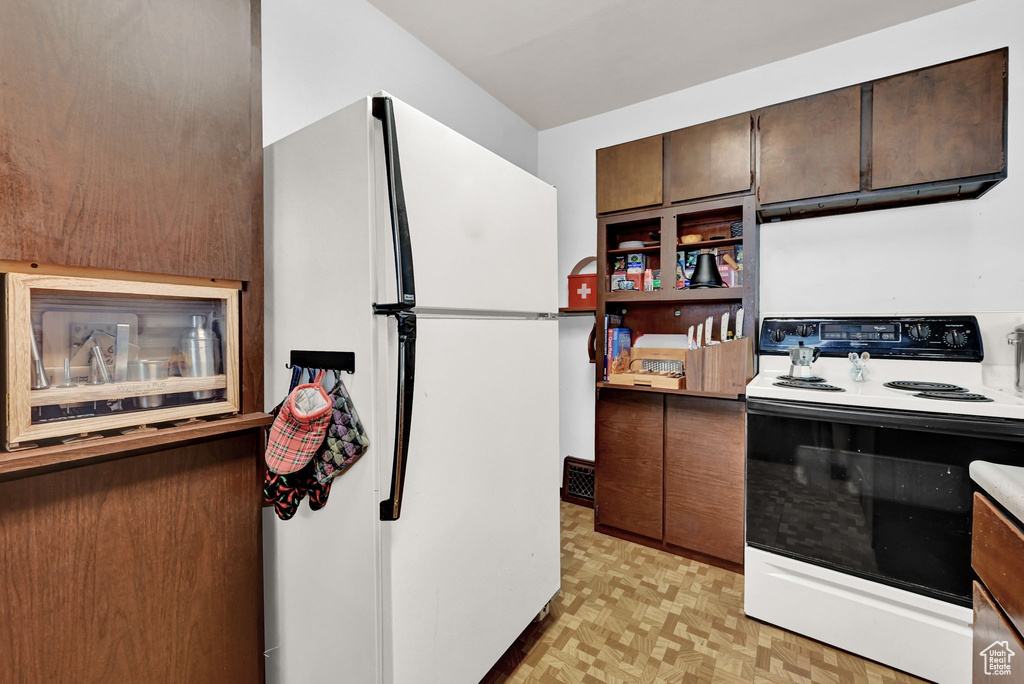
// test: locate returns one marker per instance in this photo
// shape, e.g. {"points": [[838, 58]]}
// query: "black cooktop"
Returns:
{"points": [[800, 384], [920, 386], [954, 396]]}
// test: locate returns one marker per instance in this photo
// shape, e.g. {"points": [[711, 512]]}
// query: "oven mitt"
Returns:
{"points": [[299, 428], [285, 492], [346, 439]]}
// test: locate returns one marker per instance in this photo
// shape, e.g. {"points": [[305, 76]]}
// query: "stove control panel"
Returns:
{"points": [[945, 338]]}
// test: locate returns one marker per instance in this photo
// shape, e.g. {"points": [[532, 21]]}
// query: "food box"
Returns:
{"points": [[636, 263], [617, 349]]}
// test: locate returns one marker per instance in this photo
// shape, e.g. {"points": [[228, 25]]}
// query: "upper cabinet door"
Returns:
{"points": [[130, 137], [711, 159], [810, 147], [944, 122], [629, 176]]}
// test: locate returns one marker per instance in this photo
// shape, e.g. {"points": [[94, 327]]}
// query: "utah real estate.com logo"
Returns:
{"points": [[997, 658]]}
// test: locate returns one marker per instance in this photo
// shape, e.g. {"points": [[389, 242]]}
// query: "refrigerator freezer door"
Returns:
{"points": [[483, 231], [475, 554]]}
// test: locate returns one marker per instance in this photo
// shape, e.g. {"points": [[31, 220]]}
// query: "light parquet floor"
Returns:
{"points": [[628, 614]]}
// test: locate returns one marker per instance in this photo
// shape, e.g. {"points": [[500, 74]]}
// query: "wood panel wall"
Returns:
{"points": [[129, 572], [128, 135], [131, 140]]}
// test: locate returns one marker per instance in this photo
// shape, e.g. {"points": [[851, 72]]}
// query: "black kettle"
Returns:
{"points": [[705, 272]]}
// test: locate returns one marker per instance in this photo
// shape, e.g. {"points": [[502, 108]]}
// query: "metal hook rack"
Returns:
{"points": [[323, 360]]}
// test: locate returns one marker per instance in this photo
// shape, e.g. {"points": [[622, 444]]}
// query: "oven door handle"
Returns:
{"points": [[884, 418]]}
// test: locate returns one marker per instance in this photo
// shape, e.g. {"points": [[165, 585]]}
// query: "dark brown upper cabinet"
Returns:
{"points": [[130, 138], [629, 176], [710, 159], [940, 123], [810, 147]]}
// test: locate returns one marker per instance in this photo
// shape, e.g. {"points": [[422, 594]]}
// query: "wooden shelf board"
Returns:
{"points": [[566, 311], [709, 244], [653, 249], [710, 294], [707, 294], [119, 390], [633, 296], [684, 392], [29, 462]]}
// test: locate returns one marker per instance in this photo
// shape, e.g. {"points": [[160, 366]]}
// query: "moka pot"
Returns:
{"points": [[800, 360]]}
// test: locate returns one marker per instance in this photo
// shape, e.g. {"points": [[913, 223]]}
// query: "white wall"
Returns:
{"points": [[322, 55], [943, 258]]}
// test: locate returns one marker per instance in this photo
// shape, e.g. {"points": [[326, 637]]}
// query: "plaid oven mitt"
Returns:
{"points": [[346, 439], [297, 434]]}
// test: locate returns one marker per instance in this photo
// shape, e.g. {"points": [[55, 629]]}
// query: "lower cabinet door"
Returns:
{"points": [[704, 458], [143, 569], [628, 475], [998, 649]]}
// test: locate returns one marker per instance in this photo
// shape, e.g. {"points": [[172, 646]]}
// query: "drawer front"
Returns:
{"points": [[998, 649], [997, 555]]}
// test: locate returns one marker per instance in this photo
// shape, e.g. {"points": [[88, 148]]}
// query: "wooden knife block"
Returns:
{"points": [[724, 368]]}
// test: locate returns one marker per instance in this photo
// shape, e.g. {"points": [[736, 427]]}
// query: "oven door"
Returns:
{"points": [[884, 495]]}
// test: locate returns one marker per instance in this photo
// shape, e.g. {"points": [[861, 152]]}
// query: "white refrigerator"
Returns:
{"points": [[434, 261]]}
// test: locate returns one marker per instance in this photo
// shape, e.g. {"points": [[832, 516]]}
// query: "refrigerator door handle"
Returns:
{"points": [[391, 509], [383, 109]]}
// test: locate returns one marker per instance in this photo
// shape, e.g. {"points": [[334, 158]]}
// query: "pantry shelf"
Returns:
{"points": [[710, 244], [651, 249], [711, 294], [121, 390]]}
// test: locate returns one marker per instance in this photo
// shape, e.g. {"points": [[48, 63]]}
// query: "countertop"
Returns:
{"points": [[1003, 483]]}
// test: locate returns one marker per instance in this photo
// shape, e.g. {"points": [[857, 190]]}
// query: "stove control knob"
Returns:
{"points": [[919, 331], [778, 335], [954, 338], [804, 330]]}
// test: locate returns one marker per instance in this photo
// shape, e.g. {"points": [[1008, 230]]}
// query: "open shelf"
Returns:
{"points": [[633, 296], [707, 294], [709, 244], [653, 249], [710, 294], [44, 459]]}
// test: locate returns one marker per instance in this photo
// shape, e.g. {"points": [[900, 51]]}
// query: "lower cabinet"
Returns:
{"points": [[997, 555], [628, 478], [704, 457], [669, 472], [995, 642], [143, 569]]}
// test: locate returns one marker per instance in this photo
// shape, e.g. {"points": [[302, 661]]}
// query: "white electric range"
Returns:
{"points": [[858, 521]]}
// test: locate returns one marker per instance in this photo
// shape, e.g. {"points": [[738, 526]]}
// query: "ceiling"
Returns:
{"points": [[557, 61]]}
